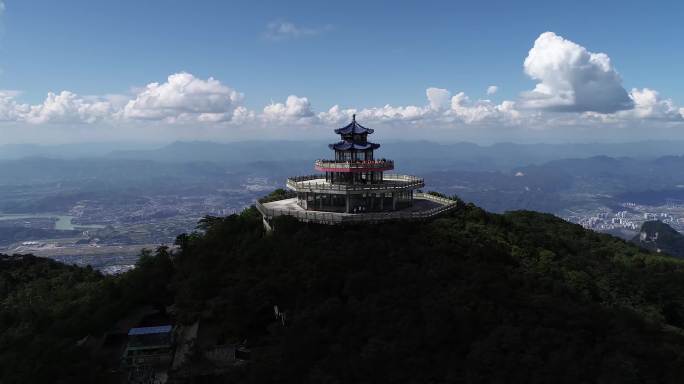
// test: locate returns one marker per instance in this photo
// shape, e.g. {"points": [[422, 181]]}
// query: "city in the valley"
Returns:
{"points": [[627, 221], [101, 211]]}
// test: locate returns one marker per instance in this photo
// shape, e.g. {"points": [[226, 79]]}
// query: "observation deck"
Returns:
{"points": [[354, 166], [353, 187], [390, 183], [426, 206]]}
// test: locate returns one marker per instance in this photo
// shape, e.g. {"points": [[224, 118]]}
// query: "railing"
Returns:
{"points": [[354, 165], [286, 195], [435, 198], [390, 182], [345, 218]]}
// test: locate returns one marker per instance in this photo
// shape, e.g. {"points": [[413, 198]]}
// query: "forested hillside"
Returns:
{"points": [[660, 237], [472, 297], [48, 309]]}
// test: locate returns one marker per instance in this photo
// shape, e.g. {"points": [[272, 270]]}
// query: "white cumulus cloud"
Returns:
{"points": [[575, 88], [68, 107], [473, 112], [394, 113], [572, 79], [10, 110], [438, 98], [441, 109], [294, 108], [335, 115], [183, 97], [648, 104]]}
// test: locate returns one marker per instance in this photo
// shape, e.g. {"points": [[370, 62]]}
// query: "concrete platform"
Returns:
{"points": [[425, 206], [390, 183]]}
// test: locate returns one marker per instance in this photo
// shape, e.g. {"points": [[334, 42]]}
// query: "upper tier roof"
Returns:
{"points": [[352, 128], [346, 145]]}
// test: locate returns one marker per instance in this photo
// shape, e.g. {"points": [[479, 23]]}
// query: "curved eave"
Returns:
{"points": [[353, 127], [347, 145]]}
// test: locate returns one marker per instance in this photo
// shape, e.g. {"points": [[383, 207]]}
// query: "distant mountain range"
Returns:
{"points": [[67, 151], [500, 177], [410, 155], [643, 181]]}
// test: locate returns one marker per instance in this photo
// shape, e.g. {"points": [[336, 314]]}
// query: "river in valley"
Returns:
{"points": [[62, 223]]}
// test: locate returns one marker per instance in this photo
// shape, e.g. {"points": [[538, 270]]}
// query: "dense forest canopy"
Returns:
{"points": [[470, 297]]}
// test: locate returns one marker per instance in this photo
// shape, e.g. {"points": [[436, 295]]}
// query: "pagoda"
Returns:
{"points": [[354, 186]]}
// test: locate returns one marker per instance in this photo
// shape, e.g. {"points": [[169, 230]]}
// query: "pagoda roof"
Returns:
{"points": [[345, 145], [353, 128]]}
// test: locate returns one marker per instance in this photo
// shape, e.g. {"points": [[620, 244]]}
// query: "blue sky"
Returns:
{"points": [[355, 54]]}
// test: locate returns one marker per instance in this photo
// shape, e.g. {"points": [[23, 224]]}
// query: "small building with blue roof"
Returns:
{"points": [[149, 346]]}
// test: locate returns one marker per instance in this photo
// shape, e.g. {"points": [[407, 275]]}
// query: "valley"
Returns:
{"points": [[102, 211]]}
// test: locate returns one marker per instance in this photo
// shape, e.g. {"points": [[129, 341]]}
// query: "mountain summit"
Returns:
{"points": [[468, 297], [660, 237]]}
